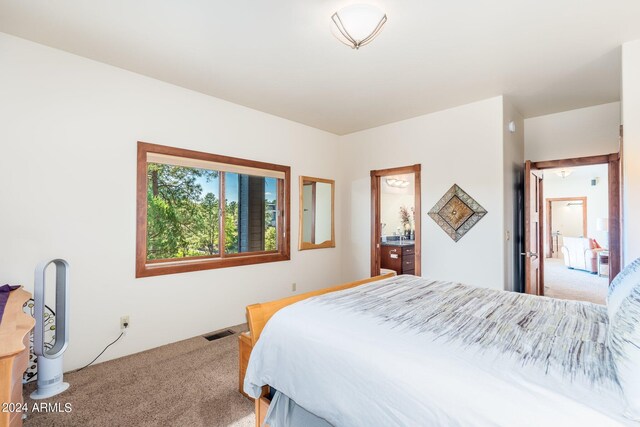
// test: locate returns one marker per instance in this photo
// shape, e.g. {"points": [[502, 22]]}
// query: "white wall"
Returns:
{"points": [[513, 171], [68, 171], [567, 219], [460, 146], [577, 133], [631, 149]]}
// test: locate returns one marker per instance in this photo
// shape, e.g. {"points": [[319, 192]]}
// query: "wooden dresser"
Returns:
{"points": [[14, 355], [400, 258]]}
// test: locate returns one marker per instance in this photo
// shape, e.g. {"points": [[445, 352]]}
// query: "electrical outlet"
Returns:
{"points": [[124, 323], [293, 287]]}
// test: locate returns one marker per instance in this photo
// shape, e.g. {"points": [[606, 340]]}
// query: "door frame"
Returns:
{"points": [[376, 175], [615, 200], [529, 287], [548, 218]]}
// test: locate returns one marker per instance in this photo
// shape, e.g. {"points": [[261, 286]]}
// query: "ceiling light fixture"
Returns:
{"points": [[398, 183], [563, 173], [358, 24]]}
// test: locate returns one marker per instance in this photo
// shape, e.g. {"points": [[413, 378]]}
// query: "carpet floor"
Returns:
{"points": [[561, 282], [188, 383]]}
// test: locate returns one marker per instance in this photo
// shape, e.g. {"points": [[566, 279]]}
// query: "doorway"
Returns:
{"points": [[576, 236], [596, 239], [565, 216], [395, 220]]}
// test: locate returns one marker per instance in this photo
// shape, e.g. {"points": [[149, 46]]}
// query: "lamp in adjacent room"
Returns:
{"points": [[358, 24], [602, 225]]}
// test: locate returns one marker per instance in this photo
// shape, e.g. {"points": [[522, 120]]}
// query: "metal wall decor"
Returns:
{"points": [[457, 212]]}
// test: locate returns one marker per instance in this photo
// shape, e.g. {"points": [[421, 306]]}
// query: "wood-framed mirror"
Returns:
{"points": [[317, 216]]}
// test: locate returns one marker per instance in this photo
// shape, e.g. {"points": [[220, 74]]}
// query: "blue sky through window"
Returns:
{"points": [[231, 189]]}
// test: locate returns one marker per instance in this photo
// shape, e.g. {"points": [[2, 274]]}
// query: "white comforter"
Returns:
{"points": [[357, 362]]}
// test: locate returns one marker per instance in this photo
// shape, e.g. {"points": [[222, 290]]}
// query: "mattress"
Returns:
{"points": [[409, 351]]}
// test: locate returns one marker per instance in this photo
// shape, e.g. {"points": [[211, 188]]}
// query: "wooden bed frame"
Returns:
{"points": [[259, 314]]}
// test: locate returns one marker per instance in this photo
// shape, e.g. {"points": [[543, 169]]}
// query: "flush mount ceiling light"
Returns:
{"points": [[358, 24], [563, 173], [398, 183]]}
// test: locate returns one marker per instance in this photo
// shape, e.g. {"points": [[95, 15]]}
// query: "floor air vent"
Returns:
{"points": [[219, 335]]}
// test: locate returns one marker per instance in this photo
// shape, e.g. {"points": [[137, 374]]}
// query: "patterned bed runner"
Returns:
{"points": [[567, 336]]}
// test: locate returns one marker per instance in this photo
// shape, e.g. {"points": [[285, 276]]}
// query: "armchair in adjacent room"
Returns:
{"points": [[581, 253]]}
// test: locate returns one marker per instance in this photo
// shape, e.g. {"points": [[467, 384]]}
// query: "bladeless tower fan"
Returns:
{"points": [[50, 355]]}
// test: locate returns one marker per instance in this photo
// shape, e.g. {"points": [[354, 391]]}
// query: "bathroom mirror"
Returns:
{"points": [[316, 213]]}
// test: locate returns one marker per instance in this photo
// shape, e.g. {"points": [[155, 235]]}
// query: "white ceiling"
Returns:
{"points": [[581, 173], [279, 56]]}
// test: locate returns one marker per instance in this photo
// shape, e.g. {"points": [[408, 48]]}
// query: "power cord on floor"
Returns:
{"points": [[105, 349]]}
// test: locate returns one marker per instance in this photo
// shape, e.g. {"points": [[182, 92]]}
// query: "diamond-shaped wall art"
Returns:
{"points": [[456, 212]]}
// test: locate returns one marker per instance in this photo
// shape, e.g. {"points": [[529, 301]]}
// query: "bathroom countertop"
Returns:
{"points": [[398, 243]]}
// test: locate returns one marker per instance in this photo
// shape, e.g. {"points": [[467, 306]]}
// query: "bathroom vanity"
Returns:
{"points": [[399, 256]]}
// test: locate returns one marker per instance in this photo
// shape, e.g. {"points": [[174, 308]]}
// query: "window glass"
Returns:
{"points": [[182, 212], [250, 213], [231, 214], [198, 211], [270, 217]]}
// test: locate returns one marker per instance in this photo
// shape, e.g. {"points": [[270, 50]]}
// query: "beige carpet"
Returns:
{"points": [[189, 383], [561, 282]]}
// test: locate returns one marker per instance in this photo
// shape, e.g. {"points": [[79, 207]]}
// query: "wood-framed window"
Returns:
{"points": [[198, 211]]}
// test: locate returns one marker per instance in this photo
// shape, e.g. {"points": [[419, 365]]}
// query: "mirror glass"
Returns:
{"points": [[316, 213]]}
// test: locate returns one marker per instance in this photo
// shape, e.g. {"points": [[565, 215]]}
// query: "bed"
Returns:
{"points": [[411, 351]]}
